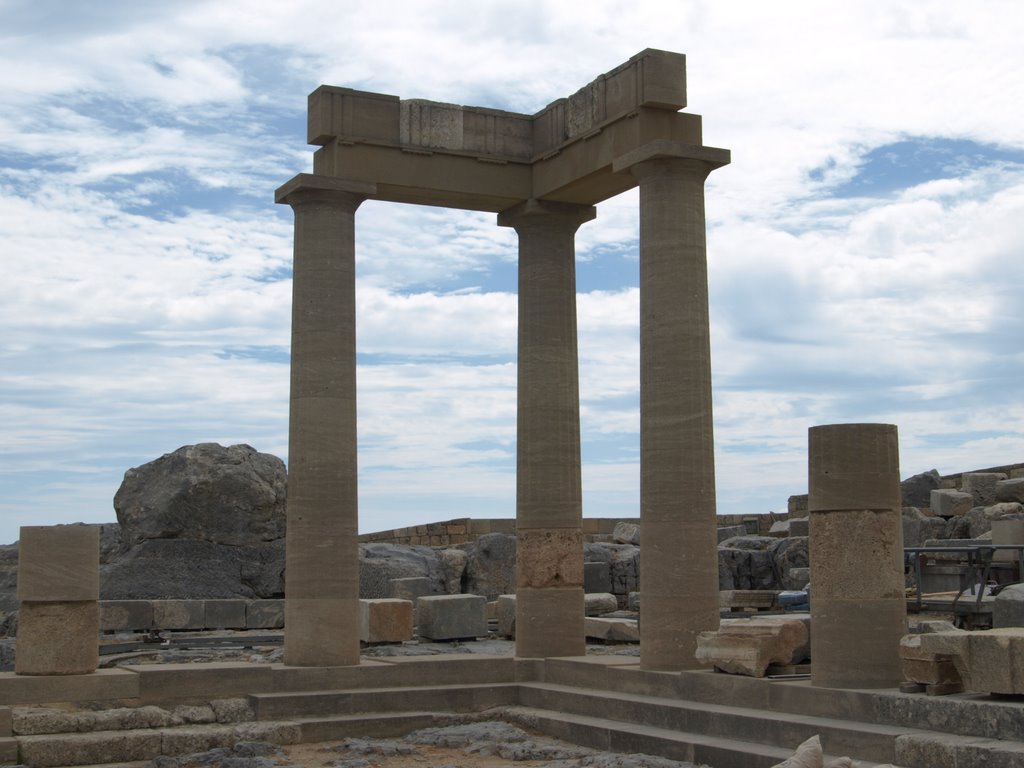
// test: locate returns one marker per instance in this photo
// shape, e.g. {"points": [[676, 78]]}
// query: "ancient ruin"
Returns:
{"points": [[542, 624]]}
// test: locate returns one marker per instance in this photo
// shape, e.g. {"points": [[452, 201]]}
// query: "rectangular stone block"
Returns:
{"points": [[264, 614], [224, 614], [386, 620], [178, 614], [611, 630], [599, 603], [101, 685], [799, 526], [981, 486], [947, 502], [725, 533], [597, 577], [927, 668], [1007, 532], [125, 615], [58, 638], [505, 613], [59, 563], [452, 617], [215, 680], [749, 646]]}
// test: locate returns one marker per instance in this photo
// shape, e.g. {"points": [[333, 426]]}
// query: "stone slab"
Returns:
{"points": [[125, 615], [101, 685], [59, 563], [224, 614], [214, 680], [264, 614], [452, 617], [179, 614], [386, 620], [58, 638], [597, 577], [611, 630], [599, 603]]}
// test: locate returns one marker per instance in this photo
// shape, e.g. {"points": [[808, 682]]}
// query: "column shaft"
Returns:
{"points": [[549, 507], [858, 607], [679, 566], [322, 555]]}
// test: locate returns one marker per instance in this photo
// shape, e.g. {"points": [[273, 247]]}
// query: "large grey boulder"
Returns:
{"points": [[623, 564], [917, 489], [379, 563], [791, 562], [491, 566], [746, 562], [978, 522], [233, 496], [919, 527]]}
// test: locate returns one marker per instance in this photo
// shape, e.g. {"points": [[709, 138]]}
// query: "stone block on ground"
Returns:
{"points": [[1007, 531], [505, 613], [224, 614], [982, 486], [387, 620], [595, 604], [799, 526], [946, 502], [452, 617], [749, 646], [58, 638], [1008, 607], [126, 615], [1010, 490], [178, 614], [264, 614], [990, 661], [611, 630], [928, 668], [626, 533], [597, 578]]}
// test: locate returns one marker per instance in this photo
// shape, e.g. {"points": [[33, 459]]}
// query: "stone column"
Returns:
{"points": [[59, 590], [549, 504], [321, 554], [679, 562], [858, 607]]}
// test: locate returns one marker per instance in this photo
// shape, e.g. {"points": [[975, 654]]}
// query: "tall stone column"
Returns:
{"points": [[679, 562], [58, 590], [549, 497], [321, 553], [858, 606]]}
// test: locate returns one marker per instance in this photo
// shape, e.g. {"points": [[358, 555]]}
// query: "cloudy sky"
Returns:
{"points": [[865, 246]]}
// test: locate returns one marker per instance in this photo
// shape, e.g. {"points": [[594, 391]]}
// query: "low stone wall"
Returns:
{"points": [[466, 529], [144, 615]]}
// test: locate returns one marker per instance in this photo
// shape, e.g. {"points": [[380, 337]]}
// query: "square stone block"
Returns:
{"points": [[224, 614], [264, 614], [505, 613], [981, 486], [59, 563], [452, 617], [178, 614], [58, 638], [597, 578], [946, 502], [387, 620], [125, 615]]}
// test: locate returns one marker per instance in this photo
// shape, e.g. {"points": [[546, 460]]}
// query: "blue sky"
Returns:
{"points": [[865, 246]]}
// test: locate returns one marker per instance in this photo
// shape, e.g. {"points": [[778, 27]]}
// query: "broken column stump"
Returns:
{"points": [[59, 588], [750, 646]]}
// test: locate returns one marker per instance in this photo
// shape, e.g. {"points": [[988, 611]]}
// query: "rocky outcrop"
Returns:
{"points": [[231, 496], [491, 566]]}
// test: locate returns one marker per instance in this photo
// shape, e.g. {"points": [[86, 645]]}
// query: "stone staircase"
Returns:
{"points": [[606, 703]]}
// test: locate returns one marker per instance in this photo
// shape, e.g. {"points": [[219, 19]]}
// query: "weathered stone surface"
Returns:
{"points": [[916, 490], [611, 630], [925, 667], [187, 569], [412, 588], [8, 578], [597, 578], [89, 748], [749, 646], [224, 614], [626, 533], [989, 662], [982, 486], [1010, 490], [205, 492], [1008, 607], [379, 564], [491, 566], [799, 526], [744, 562], [126, 615], [977, 522], [597, 603], [453, 567], [178, 614], [452, 617], [623, 564], [947, 502], [264, 614], [58, 563], [386, 620], [58, 638], [919, 527], [505, 613], [790, 558], [731, 532], [549, 557]]}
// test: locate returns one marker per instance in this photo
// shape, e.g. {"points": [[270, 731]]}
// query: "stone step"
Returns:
{"points": [[611, 736], [376, 725], [863, 741], [440, 698], [104, 747]]}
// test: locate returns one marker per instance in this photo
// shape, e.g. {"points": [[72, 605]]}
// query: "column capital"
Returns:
{"points": [[310, 187], [542, 212], [699, 156]]}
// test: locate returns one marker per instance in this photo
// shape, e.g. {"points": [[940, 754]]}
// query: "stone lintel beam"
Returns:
{"points": [[666, 148]]}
